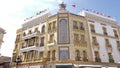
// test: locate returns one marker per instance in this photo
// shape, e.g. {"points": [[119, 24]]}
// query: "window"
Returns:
{"points": [[75, 37], [77, 54], [54, 24], [94, 39], [111, 60], [53, 55], [31, 55], [118, 44], [48, 57], [81, 26], [30, 32], [104, 31], [43, 29], [85, 56], [36, 30], [49, 26], [115, 33], [52, 37], [82, 38], [36, 55], [75, 26], [41, 54], [97, 59], [92, 28], [31, 42], [42, 41], [24, 34]]}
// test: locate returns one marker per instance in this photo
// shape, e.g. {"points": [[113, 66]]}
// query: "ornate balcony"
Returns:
{"points": [[80, 43], [29, 48], [108, 45], [95, 44], [28, 36], [51, 30]]}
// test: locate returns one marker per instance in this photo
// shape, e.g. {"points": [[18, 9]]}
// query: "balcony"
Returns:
{"points": [[85, 59], [105, 33], [108, 45], [92, 30], [80, 43], [51, 30], [29, 48], [97, 59], [116, 35], [111, 60], [82, 28], [77, 58], [50, 41], [95, 44], [28, 36]]}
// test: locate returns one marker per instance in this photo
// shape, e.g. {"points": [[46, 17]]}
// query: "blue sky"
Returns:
{"points": [[13, 13]]}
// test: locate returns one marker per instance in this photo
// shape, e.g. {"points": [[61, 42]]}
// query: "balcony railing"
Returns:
{"points": [[108, 45], [95, 43], [30, 36], [85, 59], [116, 35], [92, 30], [51, 30], [77, 58], [50, 41], [79, 42], [81, 28], [105, 33], [41, 44], [97, 59], [111, 60], [75, 27]]}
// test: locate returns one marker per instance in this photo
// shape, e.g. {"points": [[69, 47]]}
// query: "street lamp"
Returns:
{"points": [[18, 61]]}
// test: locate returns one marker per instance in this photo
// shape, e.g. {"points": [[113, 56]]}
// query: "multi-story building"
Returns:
{"points": [[67, 40], [2, 32]]}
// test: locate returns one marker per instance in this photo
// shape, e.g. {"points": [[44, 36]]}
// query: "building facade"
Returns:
{"points": [[67, 40]]}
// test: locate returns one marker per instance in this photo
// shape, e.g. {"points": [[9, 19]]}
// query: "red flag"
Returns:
{"points": [[74, 5]]}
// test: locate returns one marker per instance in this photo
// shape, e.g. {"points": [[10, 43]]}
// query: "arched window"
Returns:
{"points": [[77, 55], [30, 32], [85, 56], [43, 28]]}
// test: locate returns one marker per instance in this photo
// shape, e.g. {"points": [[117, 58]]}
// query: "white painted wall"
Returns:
{"points": [[115, 51], [102, 49]]}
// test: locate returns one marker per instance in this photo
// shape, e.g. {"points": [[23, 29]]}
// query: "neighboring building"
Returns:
{"points": [[66, 40], [4, 62], [2, 32]]}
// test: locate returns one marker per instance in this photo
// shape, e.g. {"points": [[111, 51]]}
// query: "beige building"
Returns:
{"points": [[2, 32], [67, 40]]}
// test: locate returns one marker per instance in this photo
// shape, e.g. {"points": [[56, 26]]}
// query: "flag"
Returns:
{"points": [[74, 5]]}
